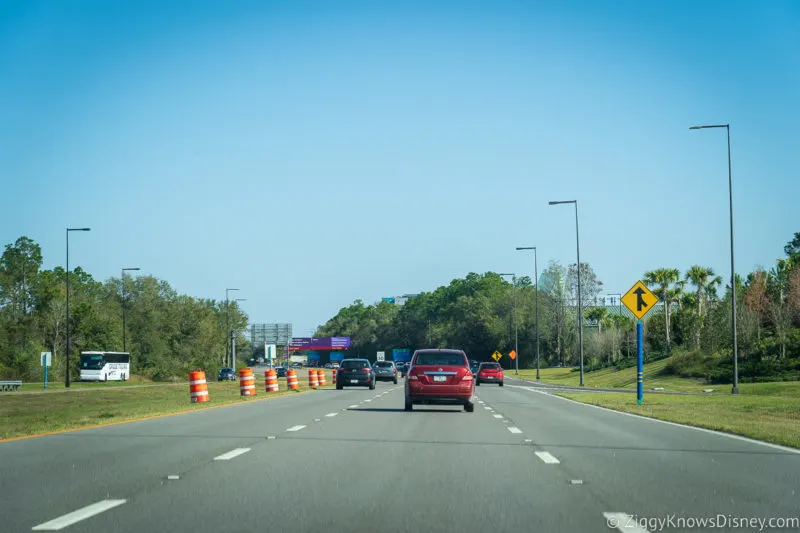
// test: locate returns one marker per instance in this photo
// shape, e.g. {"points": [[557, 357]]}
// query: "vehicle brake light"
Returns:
{"points": [[413, 377], [467, 377]]}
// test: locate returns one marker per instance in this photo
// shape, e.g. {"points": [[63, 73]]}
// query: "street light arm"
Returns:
{"points": [[709, 126]]}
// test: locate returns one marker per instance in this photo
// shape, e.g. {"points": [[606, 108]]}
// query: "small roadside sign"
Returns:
{"points": [[47, 361], [381, 356], [496, 356], [639, 299], [512, 354]]}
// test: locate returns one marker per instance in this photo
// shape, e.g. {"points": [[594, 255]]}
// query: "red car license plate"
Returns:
{"points": [[439, 378]]}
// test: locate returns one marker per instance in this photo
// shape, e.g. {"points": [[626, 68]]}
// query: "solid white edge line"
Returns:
{"points": [[295, 428], [514, 429], [548, 458], [705, 430], [76, 516], [329, 415], [231, 454], [623, 522]]}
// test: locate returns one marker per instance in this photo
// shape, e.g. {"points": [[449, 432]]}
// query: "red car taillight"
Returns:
{"points": [[467, 377]]}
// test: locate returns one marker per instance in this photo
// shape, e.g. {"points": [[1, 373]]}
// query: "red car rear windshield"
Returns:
{"points": [[440, 359], [487, 366]]}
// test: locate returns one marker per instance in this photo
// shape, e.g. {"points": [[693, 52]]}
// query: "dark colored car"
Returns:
{"points": [[473, 366], [489, 373], [281, 370], [402, 368], [226, 374], [385, 371], [439, 376], [355, 373]]}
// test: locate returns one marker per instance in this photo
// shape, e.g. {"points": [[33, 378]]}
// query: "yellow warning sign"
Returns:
{"points": [[639, 299]]}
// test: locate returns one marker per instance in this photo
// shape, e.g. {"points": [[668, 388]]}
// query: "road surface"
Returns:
{"points": [[354, 461]]}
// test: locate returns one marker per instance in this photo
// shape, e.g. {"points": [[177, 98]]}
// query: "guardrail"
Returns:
{"points": [[9, 386]]}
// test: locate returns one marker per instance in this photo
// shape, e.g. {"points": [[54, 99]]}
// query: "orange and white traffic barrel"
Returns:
{"points": [[291, 379], [321, 377], [198, 388], [247, 382], [334, 376], [313, 380], [271, 380]]}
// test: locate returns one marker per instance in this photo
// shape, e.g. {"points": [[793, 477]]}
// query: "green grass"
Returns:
{"points": [[59, 385], [655, 376], [28, 414], [773, 418]]}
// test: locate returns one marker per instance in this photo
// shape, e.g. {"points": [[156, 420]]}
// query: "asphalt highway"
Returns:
{"points": [[354, 461]]}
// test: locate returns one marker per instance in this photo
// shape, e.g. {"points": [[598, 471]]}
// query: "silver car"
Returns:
{"points": [[385, 371]]}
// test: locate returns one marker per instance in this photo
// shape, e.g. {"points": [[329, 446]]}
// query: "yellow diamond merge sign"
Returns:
{"points": [[496, 356], [639, 299]]}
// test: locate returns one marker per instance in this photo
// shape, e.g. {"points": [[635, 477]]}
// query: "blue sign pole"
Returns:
{"points": [[639, 363]]}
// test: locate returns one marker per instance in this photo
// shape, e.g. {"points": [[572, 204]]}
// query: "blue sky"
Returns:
{"points": [[315, 153]]}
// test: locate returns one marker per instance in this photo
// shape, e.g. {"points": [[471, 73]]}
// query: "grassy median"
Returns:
{"points": [[30, 414], [654, 377], [773, 418]]}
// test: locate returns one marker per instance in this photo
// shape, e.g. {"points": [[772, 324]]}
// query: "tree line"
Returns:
{"points": [[692, 320], [168, 334]]}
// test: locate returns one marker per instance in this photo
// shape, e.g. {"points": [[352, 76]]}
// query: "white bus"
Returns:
{"points": [[105, 366]]}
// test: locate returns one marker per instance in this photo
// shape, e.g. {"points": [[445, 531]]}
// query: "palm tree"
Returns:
{"points": [[600, 314], [665, 278], [701, 277], [706, 285]]}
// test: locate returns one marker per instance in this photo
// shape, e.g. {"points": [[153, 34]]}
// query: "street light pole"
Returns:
{"points": [[123, 305], [580, 306], [536, 276], [516, 326], [735, 389], [66, 371], [233, 339], [228, 326]]}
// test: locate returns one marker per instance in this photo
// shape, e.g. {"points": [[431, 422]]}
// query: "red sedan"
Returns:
{"points": [[440, 376], [490, 373]]}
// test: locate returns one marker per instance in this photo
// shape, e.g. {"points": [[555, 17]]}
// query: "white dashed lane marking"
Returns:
{"points": [[498, 416], [76, 516], [295, 428], [231, 454], [547, 458], [329, 415], [514, 429]]}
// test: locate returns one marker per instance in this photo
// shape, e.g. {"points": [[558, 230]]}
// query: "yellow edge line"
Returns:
{"points": [[143, 418]]}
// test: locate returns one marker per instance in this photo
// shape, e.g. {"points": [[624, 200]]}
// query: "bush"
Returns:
{"points": [[692, 364]]}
